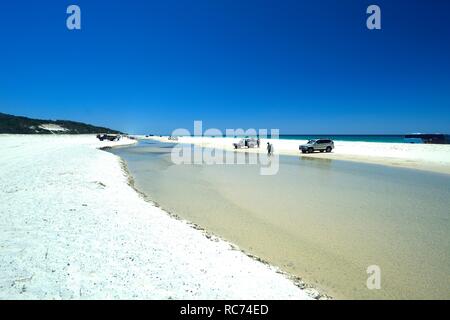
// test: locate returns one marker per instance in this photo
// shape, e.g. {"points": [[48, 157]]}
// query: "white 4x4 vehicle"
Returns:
{"points": [[243, 143], [317, 145]]}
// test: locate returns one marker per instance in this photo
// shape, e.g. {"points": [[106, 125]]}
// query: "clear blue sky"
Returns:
{"points": [[147, 66]]}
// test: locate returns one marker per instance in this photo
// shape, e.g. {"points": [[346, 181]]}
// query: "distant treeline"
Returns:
{"points": [[23, 125]]}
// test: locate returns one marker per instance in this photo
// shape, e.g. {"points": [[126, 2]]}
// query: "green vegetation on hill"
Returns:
{"points": [[22, 125]]}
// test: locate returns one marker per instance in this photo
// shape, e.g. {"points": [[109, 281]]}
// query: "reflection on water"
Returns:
{"points": [[321, 219], [317, 162]]}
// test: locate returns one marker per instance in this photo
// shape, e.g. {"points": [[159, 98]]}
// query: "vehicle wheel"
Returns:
{"points": [[310, 150], [328, 149], [303, 151]]}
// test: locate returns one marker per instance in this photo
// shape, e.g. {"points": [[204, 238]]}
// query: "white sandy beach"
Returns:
{"points": [[72, 228], [428, 157]]}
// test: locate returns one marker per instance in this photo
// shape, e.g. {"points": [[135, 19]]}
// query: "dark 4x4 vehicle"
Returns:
{"points": [[317, 145], [110, 137]]}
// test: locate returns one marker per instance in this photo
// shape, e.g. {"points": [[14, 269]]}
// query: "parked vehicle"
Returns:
{"points": [[317, 145], [427, 138], [246, 143], [110, 137]]}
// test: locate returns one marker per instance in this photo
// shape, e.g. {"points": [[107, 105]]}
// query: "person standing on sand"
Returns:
{"points": [[258, 142], [269, 149]]}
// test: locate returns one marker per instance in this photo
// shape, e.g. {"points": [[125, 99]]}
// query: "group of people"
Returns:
{"points": [[258, 144]]}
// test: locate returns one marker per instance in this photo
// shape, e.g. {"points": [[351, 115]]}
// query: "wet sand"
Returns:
{"points": [[425, 157], [320, 219]]}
